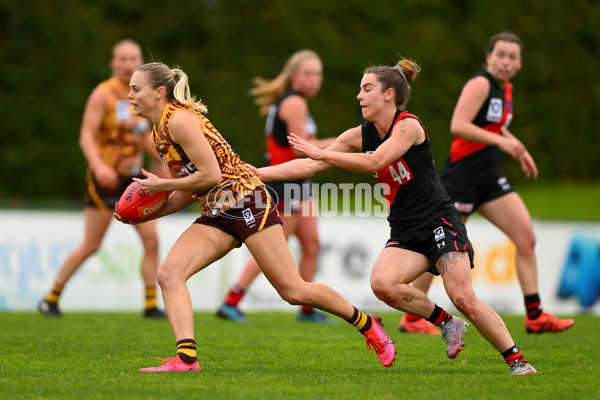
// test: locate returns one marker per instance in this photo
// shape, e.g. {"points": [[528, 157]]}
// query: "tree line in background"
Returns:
{"points": [[54, 53]]}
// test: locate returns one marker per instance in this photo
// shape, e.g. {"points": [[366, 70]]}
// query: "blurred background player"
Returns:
{"points": [[112, 140], [284, 101], [473, 179]]}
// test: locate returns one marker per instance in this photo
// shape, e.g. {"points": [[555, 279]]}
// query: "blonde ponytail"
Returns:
{"points": [[160, 74], [182, 93]]}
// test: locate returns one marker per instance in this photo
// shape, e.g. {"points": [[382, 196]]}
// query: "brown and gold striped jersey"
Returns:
{"points": [[118, 145], [237, 180]]}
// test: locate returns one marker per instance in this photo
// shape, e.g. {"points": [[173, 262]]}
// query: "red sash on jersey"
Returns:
{"points": [[461, 148], [278, 154], [397, 173]]}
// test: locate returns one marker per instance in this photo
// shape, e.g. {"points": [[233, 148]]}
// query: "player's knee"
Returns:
{"points": [[311, 247], [166, 277], [383, 289], [294, 295], [526, 244], [150, 243], [91, 247], [291, 296], [162, 278], [464, 303]]}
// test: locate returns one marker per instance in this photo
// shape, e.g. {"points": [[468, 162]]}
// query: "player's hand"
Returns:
{"points": [[120, 219], [152, 184], [528, 165], [304, 148], [117, 216], [252, 168], [512, 146], [106, 176]]}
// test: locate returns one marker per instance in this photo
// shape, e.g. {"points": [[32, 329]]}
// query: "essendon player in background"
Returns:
{"points": [[284, 101]]}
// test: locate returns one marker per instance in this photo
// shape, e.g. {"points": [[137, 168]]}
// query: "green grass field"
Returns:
{"points": [[97, 356], [544, 200], [567, 201]]}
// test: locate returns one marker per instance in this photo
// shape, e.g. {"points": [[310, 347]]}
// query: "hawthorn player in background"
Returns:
{"points": [[473, 179], [427, 233], [235, 208], [112, 140], [284, 101]]}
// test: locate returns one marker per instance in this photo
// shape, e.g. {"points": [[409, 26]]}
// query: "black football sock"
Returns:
{"points": [[513, 355], [439, 317], [533, 305]]}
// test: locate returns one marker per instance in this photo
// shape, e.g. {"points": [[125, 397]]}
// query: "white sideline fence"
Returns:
{"points": [[34, 243]]}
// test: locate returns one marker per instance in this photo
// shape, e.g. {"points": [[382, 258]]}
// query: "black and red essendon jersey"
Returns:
{"points": [[276, 131], [495, 112], [414, 193]]}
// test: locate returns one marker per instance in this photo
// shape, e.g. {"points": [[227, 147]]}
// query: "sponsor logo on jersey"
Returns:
{"points": [[441, 245]]}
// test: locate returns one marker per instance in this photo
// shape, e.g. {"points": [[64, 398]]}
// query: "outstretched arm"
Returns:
{"points": [[404, 135], [292, 170], [305, 167]]}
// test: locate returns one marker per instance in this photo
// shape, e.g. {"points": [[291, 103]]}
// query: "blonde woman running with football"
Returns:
{"points": [[235, 208]]}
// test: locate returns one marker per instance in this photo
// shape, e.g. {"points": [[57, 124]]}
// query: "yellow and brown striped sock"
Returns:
{"points": [[360, 321], [186, 350], [150, 298], [54, 295]]}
